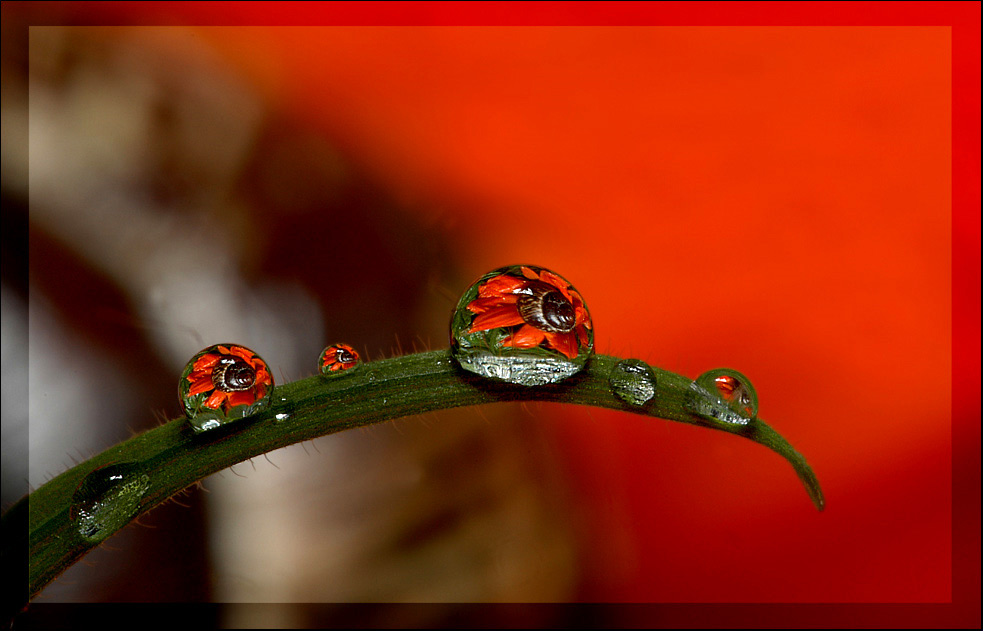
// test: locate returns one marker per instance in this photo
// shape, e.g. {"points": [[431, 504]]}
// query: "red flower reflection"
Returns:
{"points": [[234, 376], [338, 357], [548, 310], [733, 390]]}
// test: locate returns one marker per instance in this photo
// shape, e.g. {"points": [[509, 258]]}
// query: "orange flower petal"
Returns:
{"points": [[566, 294], [583, 318], [196, 374], [500, 286], [239, 351], [528, 273], [495, 318], [201, 385], [526, 337], [205, 362], [216, 399], [549, 277], [566, 343], [246, 397]]}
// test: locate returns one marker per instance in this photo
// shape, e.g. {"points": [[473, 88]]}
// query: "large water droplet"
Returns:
{"points": [[724, 394], [224, 383], [633, 381], [107, 499], [336, 359], [522, 324]]}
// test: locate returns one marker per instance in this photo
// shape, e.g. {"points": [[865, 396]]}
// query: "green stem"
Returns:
{"points": [[173, 457]]}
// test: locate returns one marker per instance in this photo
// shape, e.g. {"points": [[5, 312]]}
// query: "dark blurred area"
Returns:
{"points": [[171, 208]]}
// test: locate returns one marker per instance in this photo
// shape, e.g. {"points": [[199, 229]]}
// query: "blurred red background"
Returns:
{"points": [[775, 199]]}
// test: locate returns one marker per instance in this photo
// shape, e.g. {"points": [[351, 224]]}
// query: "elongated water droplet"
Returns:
{"points": [[107, 499], [522, 324], [633, 381], [725, 395], [224, 383], [337, 359]]}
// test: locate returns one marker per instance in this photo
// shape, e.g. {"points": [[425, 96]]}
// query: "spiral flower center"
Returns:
{"points": [[545, 308], [343, 356], [233, 374]]}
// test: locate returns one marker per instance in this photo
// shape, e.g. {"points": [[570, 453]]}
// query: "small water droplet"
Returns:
{"points": [[107, 499], [724, 394], [337, 359], [522, 324], [224, 383], [633, 381], [282, 416]]}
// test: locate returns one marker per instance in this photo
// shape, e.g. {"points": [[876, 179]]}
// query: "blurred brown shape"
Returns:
{"points": [[170, 206]]}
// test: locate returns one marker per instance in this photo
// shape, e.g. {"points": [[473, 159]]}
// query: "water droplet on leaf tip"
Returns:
{"points": [[337, 359], [633, 381], [224, 383], [522, 324], [724, 394], [106, 499]]}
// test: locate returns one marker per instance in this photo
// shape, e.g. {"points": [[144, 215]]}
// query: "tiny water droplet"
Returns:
{"points": [[724, 394], [224, 383], [282, 416], [337, 359], [633, 381], [522, 324], [107, 499]]}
